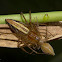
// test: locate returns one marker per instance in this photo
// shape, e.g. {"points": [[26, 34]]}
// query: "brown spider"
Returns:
{"points": [[30, 36]]}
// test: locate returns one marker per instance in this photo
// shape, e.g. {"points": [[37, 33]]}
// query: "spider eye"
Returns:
{"points": [[37, 38]]}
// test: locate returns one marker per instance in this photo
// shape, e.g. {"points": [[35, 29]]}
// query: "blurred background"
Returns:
{"points": [[15, 7]]}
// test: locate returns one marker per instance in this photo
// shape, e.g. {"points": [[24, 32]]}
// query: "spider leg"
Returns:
{"points": [[37, 22], [30, 16], [25, 50], [46, 33], [22, 47], [24, 17], [46, 38], [34, 50]]}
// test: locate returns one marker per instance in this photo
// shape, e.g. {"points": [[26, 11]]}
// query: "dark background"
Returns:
{"points": [[15, 7]]}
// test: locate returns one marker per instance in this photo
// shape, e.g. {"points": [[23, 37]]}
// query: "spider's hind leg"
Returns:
{"points": [[47, 34]]}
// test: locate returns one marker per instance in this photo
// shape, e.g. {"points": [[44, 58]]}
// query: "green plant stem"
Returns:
{"points": [[41, 17]]}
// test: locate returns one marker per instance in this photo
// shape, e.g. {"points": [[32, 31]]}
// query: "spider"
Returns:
{"points": [[29, 36]]}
